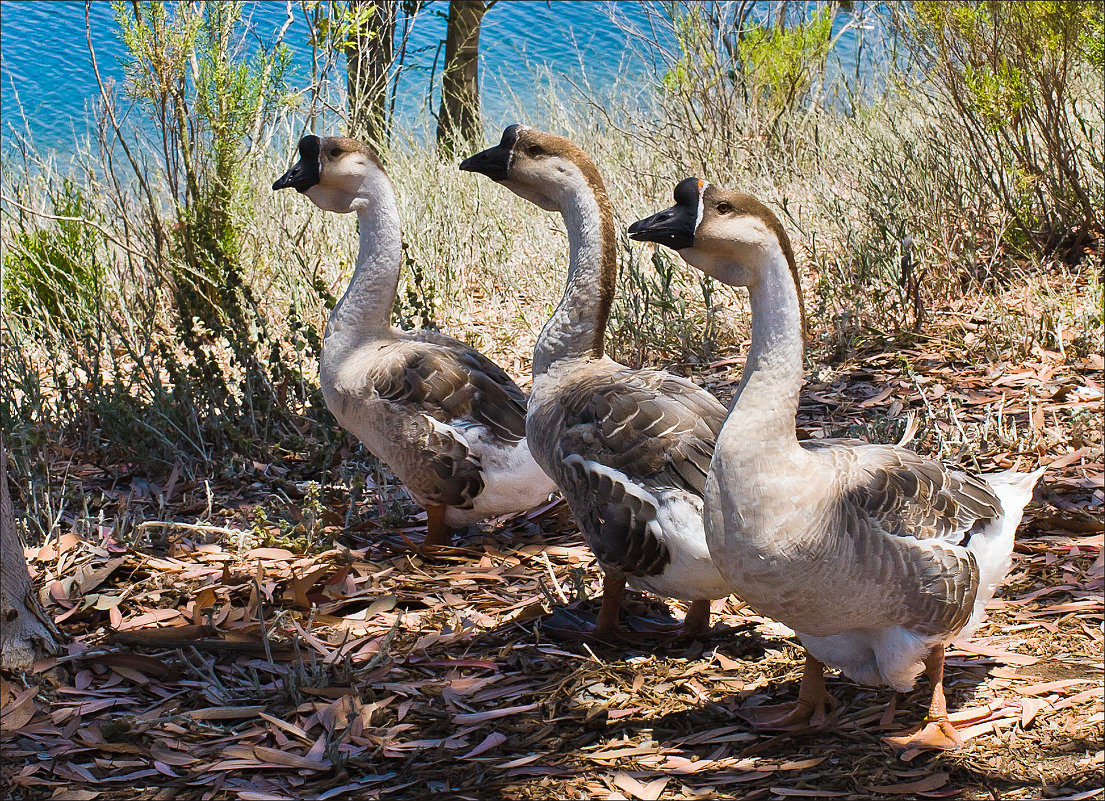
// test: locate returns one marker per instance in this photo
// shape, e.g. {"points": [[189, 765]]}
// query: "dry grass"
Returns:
{"points": [[340, 663], [365, 668]]}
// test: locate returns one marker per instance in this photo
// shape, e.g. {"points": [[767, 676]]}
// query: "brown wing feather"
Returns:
{"points": [[442, 469], [451, 381], [424, 376], [616, 523], [657, 430], [910, 520]]}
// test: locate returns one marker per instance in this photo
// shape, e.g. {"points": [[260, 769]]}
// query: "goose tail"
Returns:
{"points": [[994, 553]]}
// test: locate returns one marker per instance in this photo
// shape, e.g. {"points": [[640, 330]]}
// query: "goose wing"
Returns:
{"points": [[909, 522], [453, 383], [433, 389], [626, 436]]}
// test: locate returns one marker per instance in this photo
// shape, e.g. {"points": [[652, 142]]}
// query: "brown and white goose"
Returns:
{"points": [[629, 449], [442, 416], [876, 557]]}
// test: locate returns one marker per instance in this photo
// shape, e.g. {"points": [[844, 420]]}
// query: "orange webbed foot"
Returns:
{"points": [[936, 733]]}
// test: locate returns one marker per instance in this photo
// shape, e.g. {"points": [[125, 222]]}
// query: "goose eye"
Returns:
{"points": [[535, 150], [724, 208]]}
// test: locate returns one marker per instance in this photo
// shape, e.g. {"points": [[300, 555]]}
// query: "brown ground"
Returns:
{"points": [[364, 671]]}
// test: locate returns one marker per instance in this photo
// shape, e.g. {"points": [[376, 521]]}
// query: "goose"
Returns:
{"points": [[876, 557], [445, 419], [629, 449]]}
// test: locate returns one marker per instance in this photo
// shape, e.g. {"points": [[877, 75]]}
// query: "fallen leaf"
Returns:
{"points": [[145, 664], [1008, 657], [932, 782], [18, 712], [225, 712], [637, 789], [479, 717], [156, 616], [489, 742], [88, 579], [1030, 707], [273, 554], [1051, 686], [799, 793], [275, 756]]}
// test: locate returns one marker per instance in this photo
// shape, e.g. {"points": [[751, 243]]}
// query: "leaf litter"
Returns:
{"points": [[208, 663]]}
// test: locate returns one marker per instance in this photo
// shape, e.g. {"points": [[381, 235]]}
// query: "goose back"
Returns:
{"points": [[419, 400], [617, 440]]}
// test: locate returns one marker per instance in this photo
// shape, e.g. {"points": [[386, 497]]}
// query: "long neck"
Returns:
{"points": [[578, 326], [767, 397], [367, 303]]}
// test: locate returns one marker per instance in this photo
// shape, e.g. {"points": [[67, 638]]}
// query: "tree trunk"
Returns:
{"points": [[458, 121], [368, 59], [26, 633]]}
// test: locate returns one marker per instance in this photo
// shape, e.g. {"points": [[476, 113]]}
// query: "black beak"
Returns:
{"points": [[493, 162], [304, 173], [673, 227]]}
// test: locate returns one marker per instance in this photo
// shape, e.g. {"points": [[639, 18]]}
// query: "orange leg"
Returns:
{"points": [[606, 628], [613, 590], [437, 533], [808, 712], [936, 731], [566, 625], [696, 621]]}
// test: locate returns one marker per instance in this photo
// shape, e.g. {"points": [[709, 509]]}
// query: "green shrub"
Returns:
{"points": [[1021, 85], [54, 271], [209, 101]]}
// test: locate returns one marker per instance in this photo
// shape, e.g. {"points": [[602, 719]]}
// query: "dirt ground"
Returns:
{"points": [[257, 636]]}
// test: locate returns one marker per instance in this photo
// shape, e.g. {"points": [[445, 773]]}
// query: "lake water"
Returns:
{"points": [[47, 85], [46, 71]]}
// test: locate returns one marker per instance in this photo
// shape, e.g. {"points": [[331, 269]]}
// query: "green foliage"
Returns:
{"points": [[1023, 81], [53, 271], [1014, 45], [695, 53], [778, 64], [342, 25], [208, 100], [414, 305], [770, 61], [997, 92], [737, 78]]}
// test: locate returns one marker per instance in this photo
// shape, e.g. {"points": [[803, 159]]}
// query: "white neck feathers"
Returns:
{"points": [[767, 398], [578, 325], [368, 300]]}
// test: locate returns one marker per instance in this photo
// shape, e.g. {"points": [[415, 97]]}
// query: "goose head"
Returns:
{"points": [[335, 172], [543, 168], [727, 235]]}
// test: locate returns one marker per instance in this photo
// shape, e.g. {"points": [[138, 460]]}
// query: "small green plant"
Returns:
{"points": [[663, 313], [209, 103], [778, 65], [414, 305], [55, 271], [737, 76]]}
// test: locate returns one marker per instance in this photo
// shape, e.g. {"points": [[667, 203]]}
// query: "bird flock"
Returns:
{"points": [[876, 557]]}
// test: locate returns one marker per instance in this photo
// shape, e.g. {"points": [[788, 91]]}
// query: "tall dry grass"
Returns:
{"points": [[891, 224]]}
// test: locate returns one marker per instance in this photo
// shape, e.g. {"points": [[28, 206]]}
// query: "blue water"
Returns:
{"points": [[48, 87], [47, 84]]}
